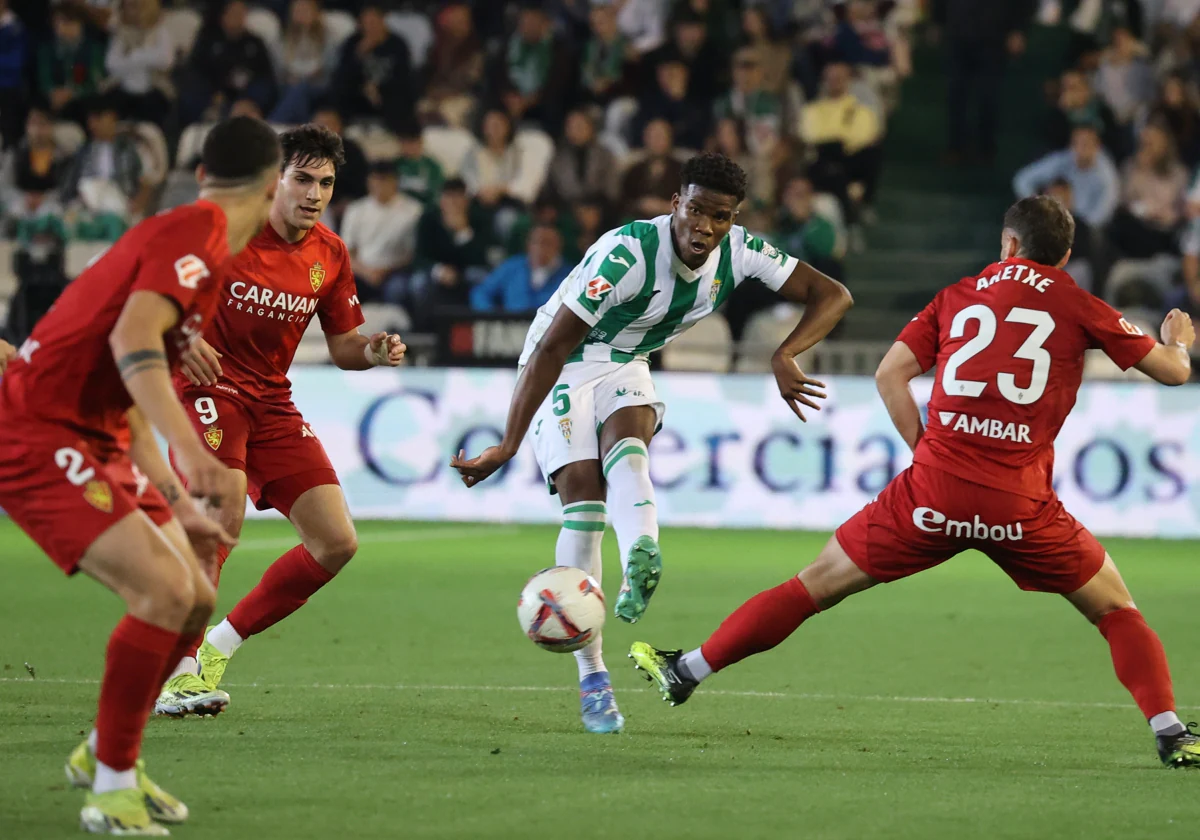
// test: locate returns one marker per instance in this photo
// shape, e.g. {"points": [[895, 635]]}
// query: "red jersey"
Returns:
{"points": [[270, 294], [1009, 347], [65, 372]]}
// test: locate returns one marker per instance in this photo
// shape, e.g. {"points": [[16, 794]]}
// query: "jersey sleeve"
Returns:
{"points": [[1107, 330], [340, 311], [765, 263], [921, 333], [178, 262], [611, 274]]}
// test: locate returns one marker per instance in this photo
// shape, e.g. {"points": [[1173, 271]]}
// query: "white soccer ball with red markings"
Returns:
{"points": [[561, 609]]}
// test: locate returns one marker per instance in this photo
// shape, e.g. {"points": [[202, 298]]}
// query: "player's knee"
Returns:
{"points": [[166, 600], [336, 552]]}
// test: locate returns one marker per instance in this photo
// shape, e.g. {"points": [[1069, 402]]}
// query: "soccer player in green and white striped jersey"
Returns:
{"points": [[585, 384]]}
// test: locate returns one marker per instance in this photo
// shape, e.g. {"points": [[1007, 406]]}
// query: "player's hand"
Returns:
{"points": [[384, 349], [7, 352], [476, 470], [206, 477], [201, 363], [1177, 329], [205, 534], [794, 386]]}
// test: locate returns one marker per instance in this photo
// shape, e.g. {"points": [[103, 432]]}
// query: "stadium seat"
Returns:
{"points": [[8, 280], [183, 25], [1157, 273], [152, 149], [707, 347], [535, 150], [81, 253], [385, 317], [264, 24], [190, 144], [416, 31], [762, 336], [339, 25], [448, 146], [377, 142]]}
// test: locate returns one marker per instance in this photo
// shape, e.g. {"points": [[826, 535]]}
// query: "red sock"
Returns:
{"points": [[285, 587], [1139, 660], [133, 668], [192, 644], [759, 624]]}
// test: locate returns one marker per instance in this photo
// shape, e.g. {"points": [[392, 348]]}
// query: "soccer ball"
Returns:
{"points": [[561, 609]]}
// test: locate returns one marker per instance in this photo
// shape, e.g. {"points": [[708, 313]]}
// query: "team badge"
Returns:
{"points": [[213, 436], [714, 291], [99, 495], [564, 426], [316, 275]]}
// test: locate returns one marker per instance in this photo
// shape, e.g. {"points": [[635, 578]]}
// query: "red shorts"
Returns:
{"points": [[268, 441], [64, 495], [925, 516]]}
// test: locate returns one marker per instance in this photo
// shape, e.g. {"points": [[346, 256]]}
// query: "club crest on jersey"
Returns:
{"points": [[564, 426], [213, 436], [598, 288], [714, 292], [316, 275], [99, 495]]}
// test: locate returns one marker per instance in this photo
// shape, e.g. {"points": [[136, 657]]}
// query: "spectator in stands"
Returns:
{"points": [[1092, 28], [352, 175], [729, 138], [1124, 80], [605, 56], [452, 251], [35, 170], [140, 56], [14, 51], [669, 100], [1078, 104], [1187, 297], [523, 283], [649, 184], [374, 76], [39, 265], [420, 175], [803, 232], [691, 46], [1178, 108], [582, 165], [537, 71], [642, 22], [1089, 170], [772, 54], [70, 67], [304, 58], [228, 62], [862, 43], [378, 231], [591, 222], [1083, 251], [1153, 182], [846, 134], [491, 168], [455, 67], [759, 109], [978, 37], [105, 178]]}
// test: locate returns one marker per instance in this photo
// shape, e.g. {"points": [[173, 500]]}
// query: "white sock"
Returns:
{"points": [[224, 638], [187, 665], [109, 779], [579, 546], [695, 665], [630, 494], [1166, 723], [93, 740]]}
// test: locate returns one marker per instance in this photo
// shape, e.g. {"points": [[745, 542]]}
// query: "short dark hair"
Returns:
{"points": [[311, 145], [239, 148], [713, 171], [1043, 226], [454, 185]]}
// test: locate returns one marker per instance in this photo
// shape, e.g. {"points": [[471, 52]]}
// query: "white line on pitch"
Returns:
{"points": [[419, 535], [779, 695]]}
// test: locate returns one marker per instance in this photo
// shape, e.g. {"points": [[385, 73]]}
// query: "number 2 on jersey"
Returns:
{"points": [[71, 460], [206, 410], [1032, 350]]}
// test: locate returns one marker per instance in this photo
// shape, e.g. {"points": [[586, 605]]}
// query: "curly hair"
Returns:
{"points": [[713, 171], [311, 145]]}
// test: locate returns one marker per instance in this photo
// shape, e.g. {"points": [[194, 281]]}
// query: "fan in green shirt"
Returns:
{"points": [[419, 174]]}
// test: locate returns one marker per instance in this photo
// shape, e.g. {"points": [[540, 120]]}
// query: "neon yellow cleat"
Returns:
{"points": [[119, 812], [212, 662], [160, 805], [187, 694]]}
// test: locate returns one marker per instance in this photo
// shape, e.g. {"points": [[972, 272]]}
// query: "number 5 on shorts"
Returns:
{"points": [[206, 410], [562, 400]]}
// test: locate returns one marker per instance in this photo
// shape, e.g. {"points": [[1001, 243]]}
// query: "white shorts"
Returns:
{"points": [[566, 427]]}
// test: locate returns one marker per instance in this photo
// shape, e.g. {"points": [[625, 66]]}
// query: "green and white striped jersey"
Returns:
{"points": [[636, 294]]}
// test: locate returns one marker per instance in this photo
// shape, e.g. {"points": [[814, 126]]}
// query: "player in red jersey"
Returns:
{"points": [[1009, 347], [236, 391], [81, 474]]}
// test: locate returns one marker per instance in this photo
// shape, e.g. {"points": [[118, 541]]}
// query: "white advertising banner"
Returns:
{"points": [[731, 453]]}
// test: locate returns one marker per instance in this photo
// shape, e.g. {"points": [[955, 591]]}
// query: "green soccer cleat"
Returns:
{"points": [[119, 812], [662, 668], [212, 662], [162, 806], [1182, 750], [188, 694], [642, 574]]}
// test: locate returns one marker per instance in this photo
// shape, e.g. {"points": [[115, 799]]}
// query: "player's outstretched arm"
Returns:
{"points": [[355, 351], [566, 332], [1169, 362], [825, 302], [897, 370]]}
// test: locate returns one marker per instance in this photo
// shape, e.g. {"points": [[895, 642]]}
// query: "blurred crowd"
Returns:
{"points": [[488, 143], [1121, 131]]}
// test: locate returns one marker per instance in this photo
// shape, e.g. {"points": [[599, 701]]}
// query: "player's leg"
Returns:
{"points": [[632, 507], [1138, 659]]}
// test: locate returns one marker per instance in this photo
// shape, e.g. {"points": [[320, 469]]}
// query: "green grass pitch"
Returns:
{"points": [[403, 702]]}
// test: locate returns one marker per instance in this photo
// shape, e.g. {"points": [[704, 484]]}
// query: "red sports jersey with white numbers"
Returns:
{"points": [[271, 291], [65, 372], [1009, 347]]}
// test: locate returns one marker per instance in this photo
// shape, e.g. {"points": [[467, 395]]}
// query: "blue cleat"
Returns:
{"points": [[599, 708]]}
